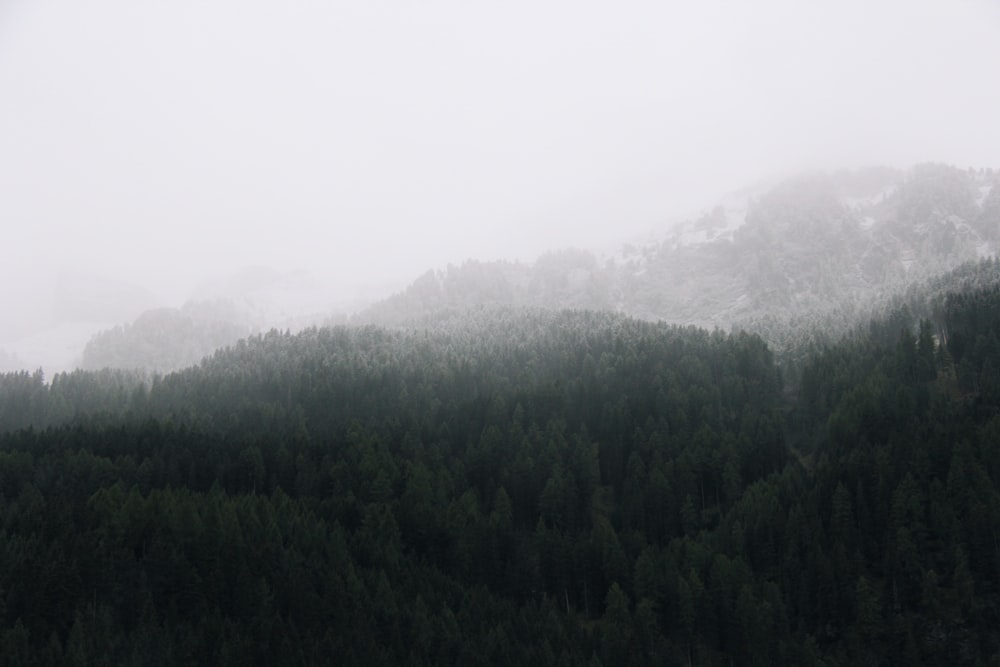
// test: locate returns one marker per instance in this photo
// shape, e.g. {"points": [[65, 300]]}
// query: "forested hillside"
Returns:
{"points": [[514, 487]]}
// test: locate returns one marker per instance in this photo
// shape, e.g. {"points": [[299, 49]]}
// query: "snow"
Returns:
{"points": [[706, 229], [984, 192], [736, 215], [690, 237], [906, 258], [861, 203]]}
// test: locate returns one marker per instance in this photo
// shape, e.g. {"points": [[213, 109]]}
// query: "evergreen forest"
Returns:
{"points": [[515, 487]]}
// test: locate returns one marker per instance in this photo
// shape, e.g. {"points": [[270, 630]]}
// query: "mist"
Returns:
{"points": [[150, 150]]}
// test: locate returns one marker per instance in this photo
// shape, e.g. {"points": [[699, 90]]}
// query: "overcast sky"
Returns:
{"points": [[163, 142]]}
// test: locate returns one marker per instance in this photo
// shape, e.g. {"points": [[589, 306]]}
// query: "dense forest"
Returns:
{"points": [[522, 487]]}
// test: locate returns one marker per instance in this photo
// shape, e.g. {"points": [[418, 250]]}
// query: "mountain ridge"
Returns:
{"points": [[817, 252], [815, 243]]}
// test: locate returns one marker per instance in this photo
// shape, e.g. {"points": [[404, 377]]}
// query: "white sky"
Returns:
{"points": [[163, 142]]}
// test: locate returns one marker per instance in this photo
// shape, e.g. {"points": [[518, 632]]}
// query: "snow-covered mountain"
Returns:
{"points": [[822, 244], [813, 252]]}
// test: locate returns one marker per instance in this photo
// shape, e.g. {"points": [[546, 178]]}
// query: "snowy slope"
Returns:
{"points": [[820, 243]]}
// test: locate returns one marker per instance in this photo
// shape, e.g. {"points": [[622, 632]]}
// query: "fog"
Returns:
{"points": [[157, 146]]}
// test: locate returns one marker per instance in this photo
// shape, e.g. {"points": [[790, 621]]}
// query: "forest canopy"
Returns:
{"points": [[514, 487]]}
